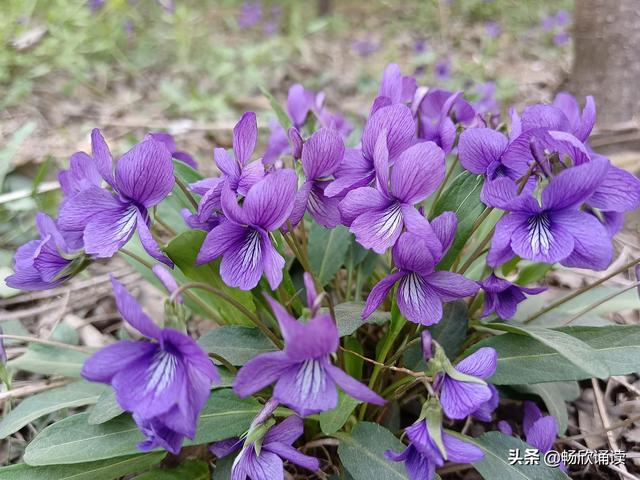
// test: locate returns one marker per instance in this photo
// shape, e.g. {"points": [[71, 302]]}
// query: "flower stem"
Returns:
{"points": [[436, 197], [382, 365], [231, 301], [597, 303], [187, 193], [42, 341], [582, 290], [136, 257]]}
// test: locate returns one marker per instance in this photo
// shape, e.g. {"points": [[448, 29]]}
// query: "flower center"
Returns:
{"points": [[310, 378], [412, 287], [251, 251], [161, 371], [540, 236], [390, 221]]}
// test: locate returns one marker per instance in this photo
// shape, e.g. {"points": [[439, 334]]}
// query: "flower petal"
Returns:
{"points": [[260, 372], [245, 136], [286, 452], [418, 301], [481, 363], [591, 243], [451, 286], [106, 362], [398, 122], [542, 434], [379, 229], [572, 187], [418, 172], [242, 262], [109, 230], [219, 240], [360, 201], [272, 262], [270, 201], [149, 243], [324, 210], [130, 310], [287, 431], [543, 238], [459, 451], [460, 399], [378, 293], [618, 192], [445, 226], [322, 154], [145, 173], [411, 253], [353, 387], [306, 388], [102, 156], [480, 147]]}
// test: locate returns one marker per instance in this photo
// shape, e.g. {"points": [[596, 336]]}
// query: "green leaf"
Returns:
{"points": [[525, 358], [327, 250], [100, 470], [348, 317], [223, 468], [105, 409], [74, 440], [362, 453], [236, 344], [193, 469], [462, 197], [533, 273], [283, 118], [185, 172], [73, 395], [10, 149], [576, 351], [333, 420], [183, 250], [495, 464], [554, 395], [49, 360]]}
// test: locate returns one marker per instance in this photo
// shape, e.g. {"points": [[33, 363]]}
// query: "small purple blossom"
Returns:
{"points": [[365, 47], [164, 383], [552, 229], [396, 87], [45, 263], [442, 70], [377, 216], [143, 177], [303, 373], [421, 289], [484, 151], [250, 14], [168, 282], [170, 143], [540, 430], [266, 462], [502, 297], [562, 18], [322, 155], [96, 5], [561, 38], [81, 175], [461, 398], [242, 239], [422, 456], [492, 29]]}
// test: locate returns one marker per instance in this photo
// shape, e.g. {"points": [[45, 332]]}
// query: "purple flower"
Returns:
{"points": [[378, 215], [266, 462], [502, 297], [277, 145], [422, 456], [164, 383], [442, 70], [304, 375], [243, 238], [396, 87], [561, 38], [577, 123], [357, 169], [238, 173], [554, 229], [504, 427], [492, 29], [81, 175], [365, 47], [45, 263], [250, 14], [460, 398], [169, 142], [540, 430], [422, 289], [438, 112], [168, 282], [108, 219], [95, 5], [562, 18], [321, 158], [547, 23]]}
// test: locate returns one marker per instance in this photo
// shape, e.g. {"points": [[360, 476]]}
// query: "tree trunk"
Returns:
{"points": [[607, 59]]}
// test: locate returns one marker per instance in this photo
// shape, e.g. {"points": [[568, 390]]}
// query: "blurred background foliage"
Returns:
{"points": [[191, 66]]}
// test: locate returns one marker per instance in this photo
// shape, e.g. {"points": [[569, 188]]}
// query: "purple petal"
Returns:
{"points": [[225, 447], [451, 286], [109, 230], [418, 172], [379, 229], [444, 226], [299, 102], [481, 363], [78, 210], [485, 411], [145, 173], [360, 201], [322, 154], [545, 116], [242, 262], [504, 427], [102, 156], [531, 415], [106, 362], [272, 262], [459, 451], [219, 240], [250, 175], [306, 388], [291, 454], [500, 250], [300, 203], [378, 293], [353, 387], [228, 165], [355, 171], [591, 244], [460, 399], [618, 192], [130, 310], [573, 186], [479, 147], [287, 431], [260, 372], [48, 261], [542, 238], [166, 279], [417, 301], [82, 174], [399, 125], [245, 136], [411, 253], [149, 243], [270, 201], [542, 434], [324, 210]]}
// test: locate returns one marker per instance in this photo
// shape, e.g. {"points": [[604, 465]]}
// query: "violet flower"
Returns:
{"points": [[422, 456], [357, 170], [250, 14], [460, 398], [492, 29], [170, 143], [266, 462], [365, 47], [108, 219], [168, 282], [377, 216], [45, 263], [540, 430], [421, 289], [243, 238], [321, 157], [442, 70], [164, 383], [396, 87], [553, 229], [303, 373], [502, 297], [81, 175], [238, 173]]}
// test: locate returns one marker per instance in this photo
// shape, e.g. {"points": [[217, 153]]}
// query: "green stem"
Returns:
{"points": [[42, 341], [597, 303], [582, 290], [231, 301], [453, 166], [187, 193], [136, 257], [225, 363], [169, 230]]}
